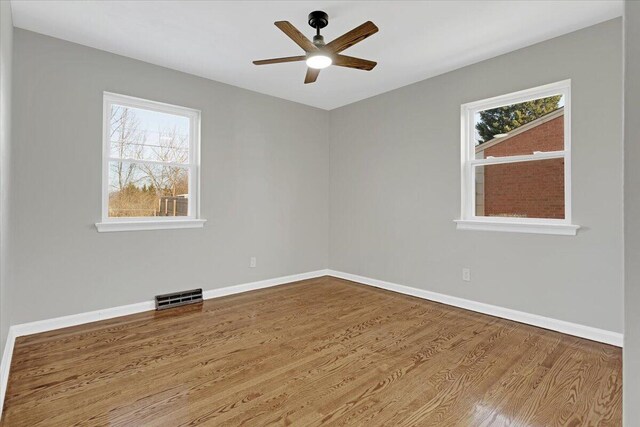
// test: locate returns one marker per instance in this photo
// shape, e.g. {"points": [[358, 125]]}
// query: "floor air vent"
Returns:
{"points": [[178, 298]]}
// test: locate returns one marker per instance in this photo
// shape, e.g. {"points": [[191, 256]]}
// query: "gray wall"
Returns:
{"points": [[631, 354], [264, 185], [392, 170], [6, 53], [395, 187]]}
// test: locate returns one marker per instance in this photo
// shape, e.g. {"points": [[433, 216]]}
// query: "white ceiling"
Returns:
{"points": [[219, 39]]}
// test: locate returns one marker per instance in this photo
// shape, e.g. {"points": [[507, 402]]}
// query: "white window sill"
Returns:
{"points": [[518, 227], [110, 226]]}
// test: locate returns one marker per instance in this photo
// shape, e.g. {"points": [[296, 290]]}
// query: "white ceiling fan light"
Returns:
{"points": [[319, 61]]}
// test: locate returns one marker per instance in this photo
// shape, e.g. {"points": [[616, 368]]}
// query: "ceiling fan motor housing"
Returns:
{"points": [[318, 40]]}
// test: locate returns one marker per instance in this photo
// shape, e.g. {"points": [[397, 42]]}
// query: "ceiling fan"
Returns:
{"points": [[320, 55]]}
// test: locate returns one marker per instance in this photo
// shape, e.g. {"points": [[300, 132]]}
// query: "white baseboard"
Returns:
{"points": [[80, 318], [582, 331], [109, 313], [245, 287], [5, 366]]}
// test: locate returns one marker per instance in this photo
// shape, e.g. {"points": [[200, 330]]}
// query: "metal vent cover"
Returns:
{"points": [[177, 299]]}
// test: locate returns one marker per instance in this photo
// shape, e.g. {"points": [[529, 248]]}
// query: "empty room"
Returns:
{"points": [[341, 213]]}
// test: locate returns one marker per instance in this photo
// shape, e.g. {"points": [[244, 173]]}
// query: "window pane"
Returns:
{"points": [[139, 134], [533, 189], [142, 190], [520, 129]]}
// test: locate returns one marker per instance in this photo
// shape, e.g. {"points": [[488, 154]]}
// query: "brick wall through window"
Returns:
{"points": [[532, 189]]}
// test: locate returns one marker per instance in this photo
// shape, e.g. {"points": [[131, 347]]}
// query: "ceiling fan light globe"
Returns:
{"points": [[319, 62]]}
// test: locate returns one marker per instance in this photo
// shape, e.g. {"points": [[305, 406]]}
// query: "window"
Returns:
{"points": [[150, 165], [516, 162]]}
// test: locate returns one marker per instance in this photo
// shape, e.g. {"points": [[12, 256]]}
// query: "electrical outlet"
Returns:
{"points": [[466, 274], [252, 262]]}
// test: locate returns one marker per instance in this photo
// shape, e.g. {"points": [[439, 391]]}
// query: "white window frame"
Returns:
{"points": [[192, 220], [468, 219]]}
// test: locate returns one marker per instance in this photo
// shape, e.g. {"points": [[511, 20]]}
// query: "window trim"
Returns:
{"points": [[192, 220], [468, 219]]}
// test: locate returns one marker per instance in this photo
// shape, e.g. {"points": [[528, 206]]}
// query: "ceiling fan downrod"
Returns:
{"points": [[318, 20]]}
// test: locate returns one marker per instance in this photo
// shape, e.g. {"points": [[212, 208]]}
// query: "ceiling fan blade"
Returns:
{"points": [[351, 62], [296, 36], [354, 36], [312, 75], [280, 60]]}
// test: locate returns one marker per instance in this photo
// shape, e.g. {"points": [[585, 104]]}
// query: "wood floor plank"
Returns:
{"points": [[320, 352]]}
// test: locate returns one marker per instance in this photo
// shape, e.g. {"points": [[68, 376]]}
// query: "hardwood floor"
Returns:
{"points": [[321, 351]]}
